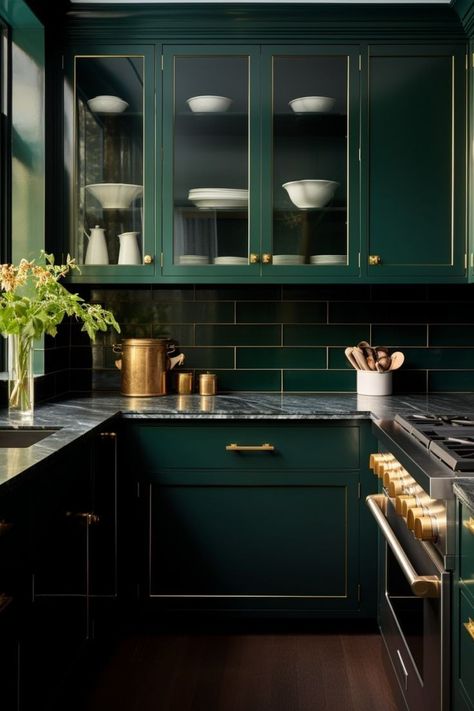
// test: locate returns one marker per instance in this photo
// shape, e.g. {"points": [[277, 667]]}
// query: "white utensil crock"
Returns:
{"points": [[129, 252], [371, 382]]}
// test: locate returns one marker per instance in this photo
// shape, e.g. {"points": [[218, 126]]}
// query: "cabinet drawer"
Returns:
{"points": [[466, 646], [302, 446], [467, 549]]}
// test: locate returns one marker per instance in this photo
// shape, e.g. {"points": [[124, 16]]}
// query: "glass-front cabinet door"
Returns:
{"points": [[112, 230], [310, 118], [210, 161]]}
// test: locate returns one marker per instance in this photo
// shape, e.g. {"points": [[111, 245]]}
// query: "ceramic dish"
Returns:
{"points": [[209, 104], [107, 104], [215, 198], [191, 259], [230, 260], [310, 193], [312, 104], [115, 195], [288, 259], [328, 259]]}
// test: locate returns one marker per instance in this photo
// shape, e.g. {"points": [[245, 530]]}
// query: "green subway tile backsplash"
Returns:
{"points": [[290, 337]]}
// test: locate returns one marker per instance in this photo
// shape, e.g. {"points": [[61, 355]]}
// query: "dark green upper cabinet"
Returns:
{"points": [[415, 162], [110, 146], [310, 166]]}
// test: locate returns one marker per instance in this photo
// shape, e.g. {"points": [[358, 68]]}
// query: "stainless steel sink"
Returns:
{"points": [[23, 436]]}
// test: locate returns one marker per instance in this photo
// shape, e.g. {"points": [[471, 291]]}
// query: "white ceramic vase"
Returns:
{"points": [[129, 252]]}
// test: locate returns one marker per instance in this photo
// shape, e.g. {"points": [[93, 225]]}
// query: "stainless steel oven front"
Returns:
{"points": [[414, 610]]}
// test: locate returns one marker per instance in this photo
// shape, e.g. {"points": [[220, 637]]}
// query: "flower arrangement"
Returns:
{"points": [[34, 302]]}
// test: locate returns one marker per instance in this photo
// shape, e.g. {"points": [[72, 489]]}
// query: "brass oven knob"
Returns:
{"points": [[403, 502], [425, 528], [413, 513], [384, 464], [393, 475], [378, 457], [398, 486]]}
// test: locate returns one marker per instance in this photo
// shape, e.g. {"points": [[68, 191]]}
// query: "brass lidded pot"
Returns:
{"points": [[144, 364]]}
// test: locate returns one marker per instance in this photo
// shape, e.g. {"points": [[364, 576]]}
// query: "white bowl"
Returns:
{"points": [[312, 104], [115, 195], [310, 193], [107, 104], [209, 104]]}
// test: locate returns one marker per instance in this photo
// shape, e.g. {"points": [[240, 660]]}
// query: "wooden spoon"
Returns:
{"points": [[360, 358], [351, 358], [397, 360]]}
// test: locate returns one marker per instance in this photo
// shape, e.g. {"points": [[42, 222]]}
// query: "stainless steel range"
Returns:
{"points": [[420, 457]]}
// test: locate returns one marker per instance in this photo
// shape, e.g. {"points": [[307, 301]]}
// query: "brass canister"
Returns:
{"points": [[184, 383], [207, 384], [143, 366]]}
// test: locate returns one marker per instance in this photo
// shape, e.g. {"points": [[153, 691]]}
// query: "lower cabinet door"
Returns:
{"points": [[253, 540], [9, 652], [466, 646]]}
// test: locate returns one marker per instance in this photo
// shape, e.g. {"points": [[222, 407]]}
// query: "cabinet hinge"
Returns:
{"points": [[360, 62], [358, 593], [359, 154], [467, 62], [358, 490], [162, 62], [62, 61], [138, 489], [472, 56], [465, 261], [358, 260], [162, 260]]}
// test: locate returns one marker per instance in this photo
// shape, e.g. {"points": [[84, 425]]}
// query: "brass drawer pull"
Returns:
{"points": [[89, 517], [374, 260], [469, 524], [470, 627], [5, 527], [5, 600], [250, 447]]}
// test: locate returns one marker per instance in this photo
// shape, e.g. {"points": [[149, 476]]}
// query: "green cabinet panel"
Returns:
{"points": [[466, 553], [415, 161], [196, 446], [466, 646], [279, 531], [264, 539]]}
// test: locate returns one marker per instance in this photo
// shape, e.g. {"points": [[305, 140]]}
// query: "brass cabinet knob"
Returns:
{"points": [[254, 258], [147, 259], [5, 527], [266, 258], [374, 259]]}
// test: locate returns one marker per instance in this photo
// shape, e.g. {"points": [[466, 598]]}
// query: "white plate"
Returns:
{"points": [[237, 192], [288, 259], [328, 259], [230, 260], [193, 259], [218, 203]]}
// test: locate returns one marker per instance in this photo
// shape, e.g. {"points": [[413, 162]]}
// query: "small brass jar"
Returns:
{"points": [[207, 384], [184, 383]]}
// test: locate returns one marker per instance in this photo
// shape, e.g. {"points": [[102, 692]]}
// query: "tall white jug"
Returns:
{"points": [[129, 252], [96, 252]]}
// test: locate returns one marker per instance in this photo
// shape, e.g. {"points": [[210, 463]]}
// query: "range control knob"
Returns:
{"points": [[413, 513], [398, 486], [393, 475], [378, 457], [426, 528], [403, 503]]}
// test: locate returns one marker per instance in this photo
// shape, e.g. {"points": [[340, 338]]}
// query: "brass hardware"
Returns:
{"points": [[89, 517], [5, 527], [392, 474], [377, 457], [470, 627], [108, 435], [382, 467], [266, 258], [467, 524], [254, 258], [374, 259], [397, 487], [144, 365], [402, 501], [421, 585], [184, 383], [250, 447], [425, 528], [5, 600], [147, 259]]}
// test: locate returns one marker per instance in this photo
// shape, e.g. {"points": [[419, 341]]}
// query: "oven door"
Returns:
{"points": [[414, 611]]}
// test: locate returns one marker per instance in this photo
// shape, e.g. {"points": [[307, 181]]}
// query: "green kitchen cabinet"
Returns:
{"points": [[112, 171], [260, 518], [463, 612], [414, 162]]}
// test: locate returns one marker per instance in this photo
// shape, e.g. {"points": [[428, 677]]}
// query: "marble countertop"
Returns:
{"points": [[77, 417]]}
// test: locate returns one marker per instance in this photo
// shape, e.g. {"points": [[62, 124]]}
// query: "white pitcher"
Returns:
{"points": [[96, 252], [129, 252]]}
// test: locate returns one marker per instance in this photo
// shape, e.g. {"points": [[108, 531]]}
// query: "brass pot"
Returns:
{"points": [[144, 365]]}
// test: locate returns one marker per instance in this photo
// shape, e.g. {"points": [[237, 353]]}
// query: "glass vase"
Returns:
{"points": [[20, 374]]}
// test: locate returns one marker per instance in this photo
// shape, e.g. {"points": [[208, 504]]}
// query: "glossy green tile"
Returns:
{"points": [[396, 336], [337, 359], [450, 336], [460, 381], [281, 358], [193, 312], [399, 292], [171, 293], [215, 335], [233, 292], [325, 335], [319, 381], [281, 312], [439, 358], [248, 380], [183, 333], [326, 292], [208, 358]]}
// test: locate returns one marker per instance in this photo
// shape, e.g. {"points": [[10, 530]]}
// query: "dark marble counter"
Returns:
{"points": [[464, 490], [77, 417]]}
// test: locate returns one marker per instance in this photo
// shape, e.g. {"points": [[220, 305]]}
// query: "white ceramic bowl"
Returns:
{"points": [[312, 104], [115, 195], [310, 193], [209, 104], [107, 104]]}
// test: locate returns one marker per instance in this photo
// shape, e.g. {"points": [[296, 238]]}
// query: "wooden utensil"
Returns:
{"points": [[398, 359], [360, 358], [351, 358]]}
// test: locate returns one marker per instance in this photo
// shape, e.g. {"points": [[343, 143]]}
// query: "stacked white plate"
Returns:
{"points": [[230, 260], [193, 259], [328, 259], [288, 259], [215, 198]]}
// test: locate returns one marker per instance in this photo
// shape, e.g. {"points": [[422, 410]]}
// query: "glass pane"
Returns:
{"points": [[109, 160], [310, 160], [211, 161]]}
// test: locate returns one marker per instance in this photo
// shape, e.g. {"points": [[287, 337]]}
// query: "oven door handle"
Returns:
{"points": [[421, 585]]}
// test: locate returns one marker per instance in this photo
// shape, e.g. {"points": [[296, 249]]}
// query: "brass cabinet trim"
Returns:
{"points": [[469, 625]]}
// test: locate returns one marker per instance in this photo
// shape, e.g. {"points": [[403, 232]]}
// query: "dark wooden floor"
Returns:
{"points": [[242, 671]]}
